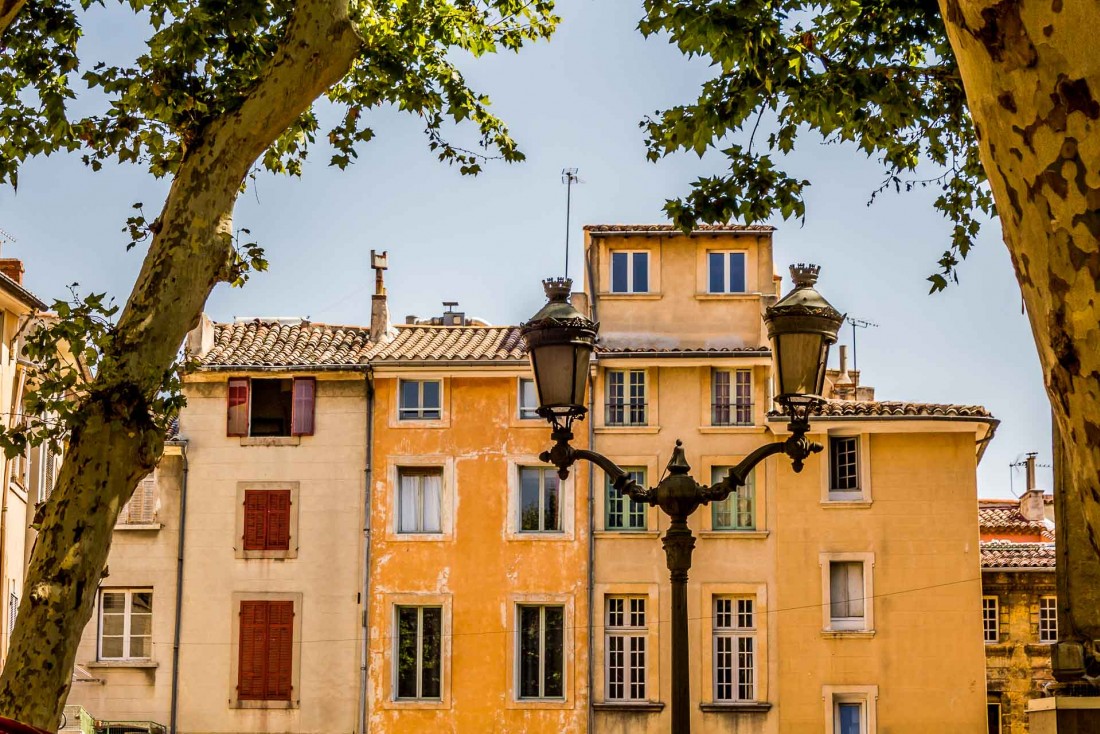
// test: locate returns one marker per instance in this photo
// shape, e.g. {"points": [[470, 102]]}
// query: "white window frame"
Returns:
{"points": [[627, 624], [127, 616], [419, 471], [396, 652], [740, 634], [991, 628], [543, 471], [848, 625], [726, 260], [416, 413], [542, 607], [846, 498], [1048, 618], [867, 696], [738, 402], [631, 255], [634, 400], [527, 412]]}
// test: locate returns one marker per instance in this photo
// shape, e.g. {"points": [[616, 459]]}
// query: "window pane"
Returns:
{"points": [[615, 503], [410, 394], [529, 652], [641, 272], [431, 399], [838, 590], [431, 488], [551, 514], [528, 402], [111, 647], [432, 636], [844, 467], [406, 652], [141, 624], [619, 272], [408, 503], [555, 649], [737, 272], [142, 602], [848, 718], [717, 266], [141, 647], [529, 498], [114, 601]]}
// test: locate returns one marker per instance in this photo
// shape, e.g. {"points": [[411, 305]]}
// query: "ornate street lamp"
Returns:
{"points": [[802, 326]]}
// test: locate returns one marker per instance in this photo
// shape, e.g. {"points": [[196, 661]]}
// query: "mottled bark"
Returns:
{"points": [[1032, 79], [114, 443], [8, 10]]}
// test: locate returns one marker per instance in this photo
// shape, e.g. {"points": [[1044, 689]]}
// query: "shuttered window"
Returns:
{"points": [[49, 471], [237, 409], [142, 507], [265, 668], [305, 388], [266, 519]]}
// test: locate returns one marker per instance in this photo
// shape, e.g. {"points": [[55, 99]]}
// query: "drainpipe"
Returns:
{"points": [[368, 388], [591, 517], [179, 593]]}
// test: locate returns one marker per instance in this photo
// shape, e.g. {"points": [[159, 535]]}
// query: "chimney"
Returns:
{"points": [[200, 340], [1032, 505], [452, 317], [844, 388], [13, 268], [379, 307]]}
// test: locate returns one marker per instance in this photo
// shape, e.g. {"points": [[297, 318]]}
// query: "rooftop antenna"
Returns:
{"points": [[5, 235], [568, 177], [1029, 462], [863, 325]]}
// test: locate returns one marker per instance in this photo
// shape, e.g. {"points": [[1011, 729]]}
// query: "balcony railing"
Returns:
{"points": [[731, 414], [626, 413]]}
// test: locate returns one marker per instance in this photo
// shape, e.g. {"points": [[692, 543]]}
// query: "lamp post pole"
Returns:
{"points": [[560, 341]]}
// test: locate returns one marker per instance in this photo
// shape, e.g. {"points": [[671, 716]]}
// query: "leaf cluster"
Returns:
{"points": [[878, 74]]}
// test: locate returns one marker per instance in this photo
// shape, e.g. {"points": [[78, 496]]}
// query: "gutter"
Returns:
{"points": [[182, 443], [18, 291], [1012, 569], [17, 396], [683, 354], [368, 477], [591, 570]]}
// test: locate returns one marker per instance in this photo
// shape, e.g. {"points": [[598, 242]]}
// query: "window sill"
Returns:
{"points": [[409, 704], [263, 705], [734, 707], [1038, 648], [651, 430], [608, 296], [849, 634], [627, 534], [846, 504], [735, 534], [746, 296], [138, 526], [418, 537], [748, 428], [268, 555], [270, 440], [535, 536], [122, 664], [641, 707]]}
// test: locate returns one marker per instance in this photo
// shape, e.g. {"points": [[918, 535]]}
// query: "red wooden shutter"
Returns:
{"points": [[301, 420], [252, 665], [278, 520], [237, 407], [255, 519], [280, 653]]}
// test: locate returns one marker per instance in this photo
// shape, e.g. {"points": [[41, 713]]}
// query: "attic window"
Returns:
{"points": [[270, 407]]}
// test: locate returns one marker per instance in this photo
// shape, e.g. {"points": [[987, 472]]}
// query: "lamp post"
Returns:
{"points": [[560, 340]]}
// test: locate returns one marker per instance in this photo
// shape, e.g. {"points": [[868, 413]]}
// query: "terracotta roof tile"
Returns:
{"points": [[1004, 516], [893, 409], [466, 343], [702, 351], [1007, 554], [673, 229], [259, 343]]}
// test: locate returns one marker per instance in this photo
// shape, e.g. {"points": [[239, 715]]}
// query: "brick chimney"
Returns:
{"points": [[1032, 505], [379, 307], [13, 268]]}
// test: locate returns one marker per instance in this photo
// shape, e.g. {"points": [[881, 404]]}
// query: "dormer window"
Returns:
{"points": [[726, 272], [630, 272], [270, 407]]}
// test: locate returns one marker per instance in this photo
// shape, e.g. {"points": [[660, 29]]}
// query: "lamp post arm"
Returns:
{"points": [[797, 446], [563, 456]]}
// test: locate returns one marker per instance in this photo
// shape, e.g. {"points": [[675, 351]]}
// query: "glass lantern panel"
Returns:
{"points": [[553, 365], [798, 357]]}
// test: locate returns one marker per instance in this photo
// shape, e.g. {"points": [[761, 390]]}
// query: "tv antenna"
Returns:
{"points": [[863, 325], [1029, 458], [568, 177], [8, 236]]}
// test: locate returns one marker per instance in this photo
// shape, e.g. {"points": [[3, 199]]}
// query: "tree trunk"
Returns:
{"points": [[1032, 76], [8, 10], [113, 441]]}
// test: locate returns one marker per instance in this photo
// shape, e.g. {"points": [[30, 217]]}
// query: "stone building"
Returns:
{"points": [[1019, 604], [353, 532]]}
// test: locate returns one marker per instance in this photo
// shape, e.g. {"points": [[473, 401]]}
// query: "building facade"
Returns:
{"points": [[1019, 604], [372, 543]]}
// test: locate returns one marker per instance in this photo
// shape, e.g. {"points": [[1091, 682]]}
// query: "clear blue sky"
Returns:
{"points": [[487, 241]]}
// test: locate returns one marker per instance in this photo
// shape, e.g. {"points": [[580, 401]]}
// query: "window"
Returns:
{"points": [[419, 652], [266, 519], [49, 472], [1048, 619], [625, 649], [849, 717], [141, 509], [738, 510], [850, 709], [629, 272], [13, 611], [528, 399], [266, 663], [844, 467], [270, 407], [990, 632], [846, 595], [541, 665], [734, 649], [731, 398], [125, 624], [539, 500], [726, 272], [626, 398], [419, 500], [993, 718], [419, 400], [623, 513]]}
